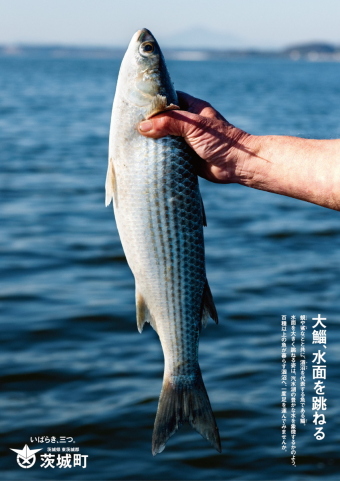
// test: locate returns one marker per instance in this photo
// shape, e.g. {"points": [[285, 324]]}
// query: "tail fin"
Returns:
{"points": [[184, 400]]}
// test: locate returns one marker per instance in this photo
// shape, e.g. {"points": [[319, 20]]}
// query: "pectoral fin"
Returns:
{"points": [[110, 183], [158, 105], [208, 309], [143, 313]]}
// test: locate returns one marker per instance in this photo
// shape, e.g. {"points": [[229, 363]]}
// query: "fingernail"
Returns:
{"points": [[145, 126]]}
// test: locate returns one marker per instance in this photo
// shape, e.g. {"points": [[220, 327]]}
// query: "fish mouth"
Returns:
{"points": [[144, 35]]}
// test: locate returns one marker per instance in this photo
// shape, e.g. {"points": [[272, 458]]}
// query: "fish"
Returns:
{"points": [[160, 216]]}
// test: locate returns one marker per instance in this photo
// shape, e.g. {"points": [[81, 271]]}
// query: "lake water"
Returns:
{"points": [[73, 364]]}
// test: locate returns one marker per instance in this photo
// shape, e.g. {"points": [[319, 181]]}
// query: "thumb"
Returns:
{"points": [[178, 123]]}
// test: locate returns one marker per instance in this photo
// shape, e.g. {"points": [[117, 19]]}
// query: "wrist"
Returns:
{"points": [[244, 155]]}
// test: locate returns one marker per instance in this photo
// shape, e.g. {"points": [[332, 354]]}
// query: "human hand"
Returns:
{"points": [[306, 169], [221, 147]]}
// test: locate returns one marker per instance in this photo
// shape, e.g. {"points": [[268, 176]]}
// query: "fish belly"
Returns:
{"points": [[159, 217]]}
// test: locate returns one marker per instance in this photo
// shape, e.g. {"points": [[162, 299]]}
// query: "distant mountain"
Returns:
{"points": [[201, 38]]}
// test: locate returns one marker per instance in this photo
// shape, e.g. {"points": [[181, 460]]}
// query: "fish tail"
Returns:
{"points": [[180, 401]]}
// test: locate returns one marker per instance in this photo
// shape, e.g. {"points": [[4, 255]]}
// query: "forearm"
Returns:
{"points": [[306, 169]]}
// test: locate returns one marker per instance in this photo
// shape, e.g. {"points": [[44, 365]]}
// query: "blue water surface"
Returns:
{"points": [[72, 361]]}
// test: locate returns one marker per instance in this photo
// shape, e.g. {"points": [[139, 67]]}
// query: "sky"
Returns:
{"points": [[188, 23]]}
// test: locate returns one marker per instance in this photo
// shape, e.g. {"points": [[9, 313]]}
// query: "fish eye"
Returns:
{"points": [[147, 48]]}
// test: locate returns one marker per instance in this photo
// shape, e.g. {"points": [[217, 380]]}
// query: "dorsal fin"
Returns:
{"points": [[204, 218], [208, 306]]}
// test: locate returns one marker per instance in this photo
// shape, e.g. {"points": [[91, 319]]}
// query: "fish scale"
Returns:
{"points": [[178, 264], [159, 215]]}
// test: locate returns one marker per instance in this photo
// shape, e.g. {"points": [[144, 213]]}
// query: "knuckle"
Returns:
{"points": [[159, 123], [160, 126], [165, 122]]}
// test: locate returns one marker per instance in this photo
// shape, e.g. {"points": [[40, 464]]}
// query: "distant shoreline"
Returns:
{"points": [[314, 52]]}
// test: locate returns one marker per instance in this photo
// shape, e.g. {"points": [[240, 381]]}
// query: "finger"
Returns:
{"points": [[170, 123], [198, 106], [192, 104], [206, 170], [186, 101]]}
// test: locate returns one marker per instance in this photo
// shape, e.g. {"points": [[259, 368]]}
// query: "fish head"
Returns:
{"points": [[144, 81]]}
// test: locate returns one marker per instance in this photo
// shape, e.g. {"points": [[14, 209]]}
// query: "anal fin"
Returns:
{"points": [[143, 313], [110, 183]]}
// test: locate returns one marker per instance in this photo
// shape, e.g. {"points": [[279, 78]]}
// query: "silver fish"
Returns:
{"points": [[160, 217]]}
